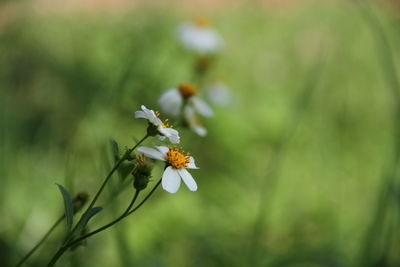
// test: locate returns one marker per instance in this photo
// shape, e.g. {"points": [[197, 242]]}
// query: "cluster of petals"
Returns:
{"points": [[172, 176], [171, 103], [163, 130], [199, 38]]}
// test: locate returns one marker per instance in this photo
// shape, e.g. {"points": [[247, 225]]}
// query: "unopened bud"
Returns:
{"points": [[141, 173]]}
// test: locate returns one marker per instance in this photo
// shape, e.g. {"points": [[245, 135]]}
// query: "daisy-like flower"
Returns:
{"points": [[198, 37], [162, 127], [192, 121], [219, 93], [177, 163], [171, 101]]}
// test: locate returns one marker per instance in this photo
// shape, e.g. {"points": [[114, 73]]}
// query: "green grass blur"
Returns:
{"points": [[290, 173]]}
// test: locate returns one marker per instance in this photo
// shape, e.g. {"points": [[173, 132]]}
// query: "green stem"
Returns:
{"points": [[65, 245], [145, 199], [125, 214], [64, 248], [26, 257], [107, 225], [117, 164]]}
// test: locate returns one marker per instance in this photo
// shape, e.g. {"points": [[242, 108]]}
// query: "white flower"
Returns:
{"points": [[177, 165], [198, 37], [219, 93], [192, 121], [162, 127], [172, 100]]}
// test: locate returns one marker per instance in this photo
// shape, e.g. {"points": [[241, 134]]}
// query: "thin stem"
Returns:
{"points": [[271, 179], [376, 245], [41, 241], [126, 212], [65, 245], [64, 248], [117, 164], [145, 199]]}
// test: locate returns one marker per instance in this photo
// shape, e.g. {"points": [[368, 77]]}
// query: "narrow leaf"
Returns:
{"points": [[85, 220], [114, 149], [68, 205]]}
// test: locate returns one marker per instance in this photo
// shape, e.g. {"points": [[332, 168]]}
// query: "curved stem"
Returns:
{"points": [[26, 257], [127, 153], [107, 225], [145, 199], [65, 245], [64, 248], [125, 214]]}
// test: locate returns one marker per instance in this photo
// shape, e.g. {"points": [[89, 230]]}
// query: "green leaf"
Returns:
{"points": [[85, 220], [68, 205], [114, 149]]}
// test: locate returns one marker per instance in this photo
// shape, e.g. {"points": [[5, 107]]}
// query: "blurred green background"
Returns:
{"points": [[300, 169]]}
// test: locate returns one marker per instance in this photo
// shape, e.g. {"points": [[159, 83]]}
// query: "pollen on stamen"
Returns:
{"points": [[165, 124], [176, 157]]}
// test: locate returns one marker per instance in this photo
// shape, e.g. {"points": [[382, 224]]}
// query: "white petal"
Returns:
{"points": [[152, 117], [192, 164], [151, 153], [140, 115], [171, 102], [171, 180], [148, 114], [201, 107], [199, 39], [162, 149], [171, 134], [219, 94], [188, 179], [188, 112], [198, 129], [161, 137], [191, 119]]}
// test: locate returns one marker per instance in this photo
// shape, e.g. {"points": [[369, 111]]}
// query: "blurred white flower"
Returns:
{"points": [[219, 93], [198, 37], [192, 121], [163, 128], [177, 163], [171, 102]]}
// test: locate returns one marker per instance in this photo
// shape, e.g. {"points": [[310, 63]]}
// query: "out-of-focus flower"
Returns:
{"points": [[160, 127], [219, 93], [171, 102], [198, 37], [192, 121], [177, 163]]}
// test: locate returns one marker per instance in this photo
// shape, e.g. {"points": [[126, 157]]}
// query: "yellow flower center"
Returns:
{"points": [[176, 158], [187, 90], [201, 22]]}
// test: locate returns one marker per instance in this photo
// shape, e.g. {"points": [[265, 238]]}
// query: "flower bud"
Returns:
{"points": [[141, 173], [80, 200]]}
